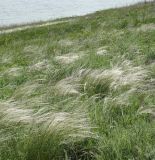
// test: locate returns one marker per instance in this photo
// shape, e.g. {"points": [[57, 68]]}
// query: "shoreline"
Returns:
{"points": [[24, 27], [36, 24]]}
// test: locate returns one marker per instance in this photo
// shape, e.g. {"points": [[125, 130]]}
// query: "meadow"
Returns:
{"points": [[82, 89]]}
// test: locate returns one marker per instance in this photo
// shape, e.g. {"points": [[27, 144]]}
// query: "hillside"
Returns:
{"points": [[82, 89]]}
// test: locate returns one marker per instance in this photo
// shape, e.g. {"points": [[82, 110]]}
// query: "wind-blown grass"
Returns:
{"points": [[81, 89]]}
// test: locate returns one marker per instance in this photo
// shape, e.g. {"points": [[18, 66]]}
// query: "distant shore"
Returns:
{"points": [[36, 25], [55, 20]]}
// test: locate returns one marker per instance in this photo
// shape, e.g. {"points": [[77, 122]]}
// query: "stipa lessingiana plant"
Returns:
{"points": [[46, 129], [101, 82]]}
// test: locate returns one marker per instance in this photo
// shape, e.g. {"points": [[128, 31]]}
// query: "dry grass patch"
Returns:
{"points": [[27, 90], [6, 59], [93, 82], [68, 58], [146, 27], [34, 53], [41, 65], [70, 125], [66, 42], [14, 71], [102, 51]]}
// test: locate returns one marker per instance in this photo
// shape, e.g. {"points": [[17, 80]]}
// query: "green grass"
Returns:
{"points": [[95, 104]]}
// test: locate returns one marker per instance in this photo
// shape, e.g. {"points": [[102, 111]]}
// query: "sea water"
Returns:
{"points": [[27, 11]]}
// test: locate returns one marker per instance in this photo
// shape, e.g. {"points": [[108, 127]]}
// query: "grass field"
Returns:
{"points": [[82, 89]]}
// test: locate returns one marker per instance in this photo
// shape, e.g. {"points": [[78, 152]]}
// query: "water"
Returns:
{"points": [[26, 11]]}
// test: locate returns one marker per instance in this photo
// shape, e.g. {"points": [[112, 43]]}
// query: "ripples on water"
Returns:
{"points": [[24, 11]]}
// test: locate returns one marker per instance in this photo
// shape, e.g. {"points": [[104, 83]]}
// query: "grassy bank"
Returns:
{"points": [[82, 89]]}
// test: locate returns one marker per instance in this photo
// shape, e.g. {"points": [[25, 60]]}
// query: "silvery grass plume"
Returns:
{"points": [[71, 126], [102, 51], [34, 53], [13, 112], [68, 58], [26, 90], [66, 42], [123, 75], [6, 58], [122, 99], [148, 107], [72, 85], [31, 49], [40, 65], [14, 71], [87, 80], [68, 86], [146, 27], [147, 110], [116, 85], [4, 137]]}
